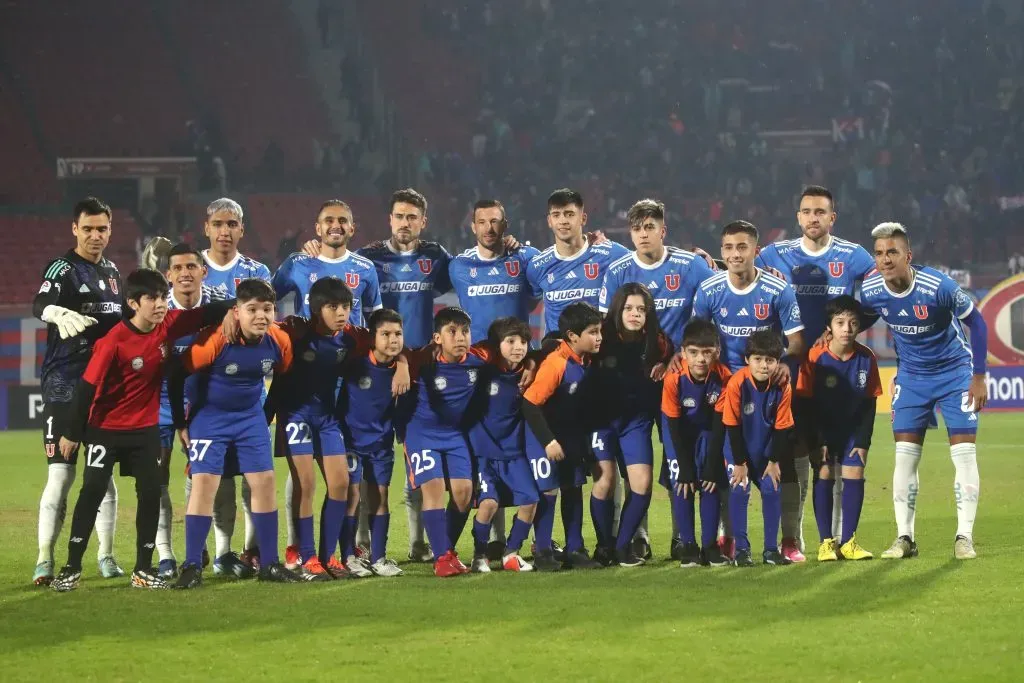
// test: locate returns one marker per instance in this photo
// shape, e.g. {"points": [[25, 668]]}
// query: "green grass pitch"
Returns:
{"points": [[930, 618]]}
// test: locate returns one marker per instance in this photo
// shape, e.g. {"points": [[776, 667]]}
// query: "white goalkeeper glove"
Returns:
{"points": [[68, 323]]}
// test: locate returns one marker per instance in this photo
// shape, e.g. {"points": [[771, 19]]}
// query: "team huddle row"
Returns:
{"points": [[638, 341]]}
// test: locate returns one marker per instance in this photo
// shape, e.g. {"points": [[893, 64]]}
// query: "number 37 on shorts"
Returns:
{"points": [[914, 403]]}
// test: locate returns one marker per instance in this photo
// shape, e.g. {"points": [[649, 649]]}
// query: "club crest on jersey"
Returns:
{"points": [[573, 387], [723, 311], [831, 381], [267, 366], [472, 272], [610, 362], [672, 282], [352, 280], [426, 265], [712, 398], [137, 363], [512, 268], [835, 268], [688, 402], [862, 378], [386, 267], [45, 287], [113, 285], [748, 408], [51, 450], [494, 389], [440, 383], [920, 311], [365, 383], [312, 277], [309, 356], [341, 353], [591, 270], [472, 376], [231, 369], [761, 311]]}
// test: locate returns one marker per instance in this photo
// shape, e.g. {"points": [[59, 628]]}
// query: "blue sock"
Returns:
{"points": [[602, 512], [379, 525], [853, 501], [517, 536], [331, 518], [572, 518], [266, 535], [456, 523], [823, 506], [771, 508], [481, 534], [197, 528], [682, 511], [544, 522], [739, 498], [437, 531], [347, 537], [632, 514], [710, 514], [307, 546]]}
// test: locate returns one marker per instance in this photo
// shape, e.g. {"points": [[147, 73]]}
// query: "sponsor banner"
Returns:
{"points": [[125, 168], [24, 407]]}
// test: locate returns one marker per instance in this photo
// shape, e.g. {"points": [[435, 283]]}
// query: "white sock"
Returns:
{"points": [[837, 504], [53, 507], [803, 477], [163, 528], [724, 520], [675, 527], [362, 520], [966, 486], [906, 486], [641, 530], [414, 512], [224, 511], [250, 529], [106, 521], [498, 526], [618, 497], [289, 516]]}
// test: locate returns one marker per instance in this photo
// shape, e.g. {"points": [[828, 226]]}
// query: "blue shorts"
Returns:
{"points": [[756, 464], [375, 467], [840, 449], [670, 465], [317, 435], [213, 434], [629, 444], [916, 396], [509, 482], [551, 476], [429, 457], [167, 437]]}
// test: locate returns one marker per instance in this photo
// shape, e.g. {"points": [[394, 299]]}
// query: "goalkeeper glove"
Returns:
{"points": [[156, 252], [68, 323]]}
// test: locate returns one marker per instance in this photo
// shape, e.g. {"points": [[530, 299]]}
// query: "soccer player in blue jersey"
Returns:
{"points": [[937, 366], [227, 410], [670, 274], [627, 377], [837, 389], [437, 454], [572, 269], [335, 227], [370, 412], [819, 266], [498, 439], [758, 418], [694, 447], [490, 281], [226, 267], [556, 408]]}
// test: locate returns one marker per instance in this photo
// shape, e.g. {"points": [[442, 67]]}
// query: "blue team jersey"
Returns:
{"points": [[489, 289], [672, 281], [368, 408], [759, 413], [409, 281], [925, 321], [498, 431], [842, 385], [299, 271], [310, 388], [222, 280], [566, 279], [691, 401], [819, 276], [561, 388], [767, 303], [178, 347], [443, 392], [231, 377]]}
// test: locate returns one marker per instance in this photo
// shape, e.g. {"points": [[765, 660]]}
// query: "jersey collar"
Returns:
{"points": [[657, 264], [340, 259], [479, 257], [178, 305], [820, 252], [749, 288], [913, 284], [571, 257], [391, 248], [230, 264]]}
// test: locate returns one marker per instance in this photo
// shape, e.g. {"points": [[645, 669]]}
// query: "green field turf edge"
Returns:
{"points": [[930, 618]]}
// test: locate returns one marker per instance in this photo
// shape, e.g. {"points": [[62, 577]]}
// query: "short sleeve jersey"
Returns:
{"points": [[489, 289], [758, 414], [299, 272], [224, 279], [566, 279]]}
